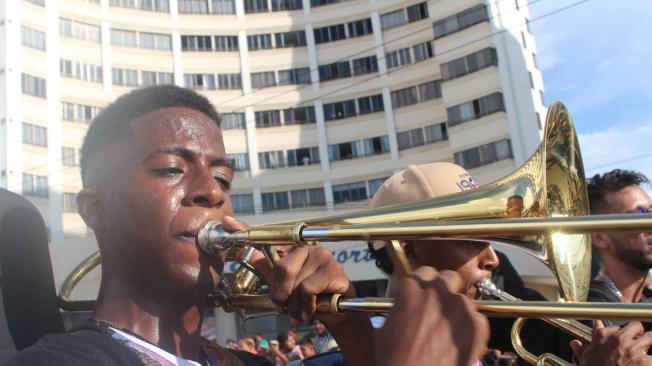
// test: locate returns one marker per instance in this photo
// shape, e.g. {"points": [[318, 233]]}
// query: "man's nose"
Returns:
{"points": [[489, 259], [206, 191]]}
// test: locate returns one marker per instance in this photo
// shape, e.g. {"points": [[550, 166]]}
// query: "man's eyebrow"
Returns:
{"points": [[222, 162], [178, 151]]}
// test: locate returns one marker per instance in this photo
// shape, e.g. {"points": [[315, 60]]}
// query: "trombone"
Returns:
{"points": [[552, 225]]}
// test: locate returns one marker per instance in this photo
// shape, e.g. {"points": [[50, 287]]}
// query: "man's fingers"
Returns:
{"points": [[577, 348], [262, 266], [231, 224], [644, 342], [632, 330], [597, 324], [285, 274]]}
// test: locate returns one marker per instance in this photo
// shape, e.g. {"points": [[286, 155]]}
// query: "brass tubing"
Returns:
{"points": [[479, 228], [491, 308]]}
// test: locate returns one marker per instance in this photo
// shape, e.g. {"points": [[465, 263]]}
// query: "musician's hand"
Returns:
{"points": [[615, 346], [432, 323]]}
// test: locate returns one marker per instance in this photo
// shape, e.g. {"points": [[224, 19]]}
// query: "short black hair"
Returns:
{"points": [[113, 121], [613, 181], [383, 261]]}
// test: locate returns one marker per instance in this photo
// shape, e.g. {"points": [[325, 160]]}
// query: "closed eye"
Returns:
{"points": [[167, 172]]}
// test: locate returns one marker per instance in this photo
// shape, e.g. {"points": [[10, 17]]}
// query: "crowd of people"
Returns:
{"points": [[286, 349]]}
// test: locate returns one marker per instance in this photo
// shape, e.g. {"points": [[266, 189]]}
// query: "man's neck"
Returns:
{"points": [[171, 328], [629, 280]]}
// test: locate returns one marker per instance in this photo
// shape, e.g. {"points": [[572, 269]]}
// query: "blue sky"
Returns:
{"points": [[596, 57]]}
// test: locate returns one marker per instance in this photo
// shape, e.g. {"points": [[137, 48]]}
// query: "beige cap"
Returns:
{"points": [[422, 182]]}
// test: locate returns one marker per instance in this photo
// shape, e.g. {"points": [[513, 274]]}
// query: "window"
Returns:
{"points": [[80, 70], [485, 154], [124, 38], [242, 203], [422, 51], [345, 151], [417, 12], [365, 65], [324, 2], [229, 81], [255, 6], [68, 156], [32, 38], [193, 6], [156, 78], [308, 197], [223, 6], [339, 110], [275, 201], [78, 112], [411, 138], [376, 145], [371, 104], [349, 192], [375, 184], [336, 70], [330, 34], [78, 30], [436, 133], [398, 58], [33, 85], [404, 97], [226, 43], [37, 2], [294, 76], [263, 79], [460, 21], [35, 185], [154, 41], [429, 90], [69, 201], [271, 118], [199, 81], [393, 19], [196, 43], [360, 28], [35, 135], [233, 121], [271, 159], [281, 5], [299, 115], [162, 6], [475, 109], [259, 42], [303, 156], [290, 39], [125, 77], [239, 162], [468, 64]]}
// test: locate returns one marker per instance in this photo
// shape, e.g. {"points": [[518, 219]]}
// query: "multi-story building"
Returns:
{"points": [[321, 99]]}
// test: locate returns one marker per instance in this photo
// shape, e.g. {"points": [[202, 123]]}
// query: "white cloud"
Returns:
{"points": [[620, 147]]}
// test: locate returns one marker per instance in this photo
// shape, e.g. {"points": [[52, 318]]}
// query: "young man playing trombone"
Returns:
{"points": [[154, 170]]}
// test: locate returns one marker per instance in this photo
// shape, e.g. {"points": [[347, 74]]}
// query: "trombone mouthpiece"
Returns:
{"points": [[489, 289], [213, 239]]}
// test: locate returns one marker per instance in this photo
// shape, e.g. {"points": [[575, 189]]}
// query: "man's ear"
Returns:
{"points": [[90, 208], [600, 240], [408, 248]]}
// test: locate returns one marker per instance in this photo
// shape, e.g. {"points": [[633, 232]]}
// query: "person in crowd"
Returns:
{"points": [[154, 171], [323, 340], [262, 344], [232, 344], [248, 344], [307, 347], [288, 348]]}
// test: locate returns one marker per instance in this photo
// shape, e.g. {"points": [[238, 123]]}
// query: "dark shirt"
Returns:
{"points": [[92, 344]]}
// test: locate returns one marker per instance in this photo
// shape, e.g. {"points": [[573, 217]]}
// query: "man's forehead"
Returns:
{"points": [[628, 199]]}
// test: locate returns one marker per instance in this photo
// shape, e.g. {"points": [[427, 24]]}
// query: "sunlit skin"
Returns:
{"points": [[472, 260], [149, 194], [625, 256]]}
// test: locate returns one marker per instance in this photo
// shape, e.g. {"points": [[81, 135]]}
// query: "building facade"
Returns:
{"points": [[321, 100]]}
